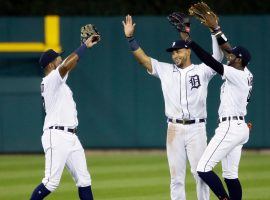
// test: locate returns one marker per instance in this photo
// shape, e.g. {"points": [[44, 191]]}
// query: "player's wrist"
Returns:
{"points": [[215, 30], [80, 51], [129, 36], [133, 44], [221, 38]]}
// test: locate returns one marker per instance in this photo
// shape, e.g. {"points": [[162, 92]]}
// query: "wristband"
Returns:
{"points": [[133, 44], [216, 30], [81, 50], [221, 39]]}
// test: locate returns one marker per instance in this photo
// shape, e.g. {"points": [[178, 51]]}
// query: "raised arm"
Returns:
{"points": [[70, 62], [210, 19], [139, 54], [204, 56]]}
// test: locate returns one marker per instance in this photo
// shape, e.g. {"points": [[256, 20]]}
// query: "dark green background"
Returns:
{"points": [[119, 104]]}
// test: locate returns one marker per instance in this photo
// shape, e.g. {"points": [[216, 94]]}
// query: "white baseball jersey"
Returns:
{"points": [[233, 133], [58, 102], [184, 90], [62, 148], [235, 92]]}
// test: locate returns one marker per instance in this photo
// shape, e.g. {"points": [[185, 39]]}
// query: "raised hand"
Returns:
{"points": [[92, 40], [129, 26]]}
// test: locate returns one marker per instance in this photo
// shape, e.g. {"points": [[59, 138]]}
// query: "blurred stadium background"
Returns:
{"points": [[119, 105]]}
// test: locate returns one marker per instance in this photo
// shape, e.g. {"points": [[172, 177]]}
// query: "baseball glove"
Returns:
{"points": [[204, 14], [87, 31], [180, 21]]}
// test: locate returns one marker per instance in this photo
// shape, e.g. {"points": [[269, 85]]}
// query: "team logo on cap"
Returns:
{"points": [[173, 44]]}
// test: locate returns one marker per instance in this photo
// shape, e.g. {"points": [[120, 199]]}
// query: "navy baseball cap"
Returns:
{"points": [[243, 53], [47, 57], [178, 44]]}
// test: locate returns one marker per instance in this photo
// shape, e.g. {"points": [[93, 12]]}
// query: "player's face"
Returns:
{"points": [[231, 59], [57, 62], [180, 56]]}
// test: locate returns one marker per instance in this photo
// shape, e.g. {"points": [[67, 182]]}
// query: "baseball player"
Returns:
{"points": [[232, 132], [184, 87], [59, 140]]}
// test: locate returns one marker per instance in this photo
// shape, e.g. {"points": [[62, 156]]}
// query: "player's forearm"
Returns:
{"points": [[217, 52], [139, 54], [68, 64], [71, 61], [222, 41], [206, 58]]}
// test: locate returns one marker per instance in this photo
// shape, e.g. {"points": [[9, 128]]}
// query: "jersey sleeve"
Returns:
{"points": [[208, 72], [158, 68], [231, 74], [54, 79], [217, 52]]}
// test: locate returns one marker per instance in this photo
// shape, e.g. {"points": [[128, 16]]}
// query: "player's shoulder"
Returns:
{"points": [[161, 63], [248, 72], [162, 66], [200, 67], [51, 76]]}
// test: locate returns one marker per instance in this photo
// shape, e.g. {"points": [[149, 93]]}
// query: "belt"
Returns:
{"points": [[186, 121], [62, 128], [231, 118]]}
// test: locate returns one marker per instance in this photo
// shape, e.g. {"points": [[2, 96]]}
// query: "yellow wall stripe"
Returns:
{"points": [[52, 39]]}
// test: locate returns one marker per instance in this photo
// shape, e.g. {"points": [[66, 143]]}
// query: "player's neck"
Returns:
{"points": [[239, 67], [47, 71], [185, 65]]}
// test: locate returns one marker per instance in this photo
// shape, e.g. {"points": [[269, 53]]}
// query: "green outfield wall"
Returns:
{"points": [[119, 104]]}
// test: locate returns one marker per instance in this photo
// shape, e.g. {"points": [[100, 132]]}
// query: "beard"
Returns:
{"points": [[179, 62], [231, 62]]}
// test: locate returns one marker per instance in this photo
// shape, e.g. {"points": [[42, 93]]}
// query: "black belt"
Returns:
{"points": [[62, 128], [186, 121], [231, 118]]}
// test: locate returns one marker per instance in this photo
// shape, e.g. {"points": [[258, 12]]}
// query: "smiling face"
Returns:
{"points": [[181, 56], [57, 62], [230, 59], [53, 65], [233, 61]]}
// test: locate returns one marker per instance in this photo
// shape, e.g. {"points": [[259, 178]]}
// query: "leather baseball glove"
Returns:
{"points": [[204, 14], [87, 31], [180, 21]]}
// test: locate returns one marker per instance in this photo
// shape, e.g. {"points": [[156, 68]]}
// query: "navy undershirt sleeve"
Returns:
{"points": [[206, 58]]}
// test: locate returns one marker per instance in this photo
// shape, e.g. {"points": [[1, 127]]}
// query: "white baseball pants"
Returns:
{"points": [[63, 149], [225, 146], [185, 142]]}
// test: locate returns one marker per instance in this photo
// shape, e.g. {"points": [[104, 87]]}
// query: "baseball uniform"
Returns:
{"points": [[185, 92], [59, 140], [232, 131]]}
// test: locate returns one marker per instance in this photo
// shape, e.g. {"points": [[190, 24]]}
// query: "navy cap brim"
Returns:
{"points": [[172, 49], [48, 56], [176, 48]]}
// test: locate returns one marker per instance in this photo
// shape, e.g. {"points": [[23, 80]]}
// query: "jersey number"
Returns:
{"points": [[43, 100], [250, 82]]}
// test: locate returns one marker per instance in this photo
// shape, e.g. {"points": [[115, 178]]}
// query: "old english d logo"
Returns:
{"points": [[195, 81]]}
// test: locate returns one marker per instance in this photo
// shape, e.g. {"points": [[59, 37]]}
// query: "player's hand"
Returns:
{"points": [[211, 22], [92, 40], [205, 15], [185, 36], [129, 26]]}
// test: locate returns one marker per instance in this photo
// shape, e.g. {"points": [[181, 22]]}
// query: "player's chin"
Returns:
{"points": [[177, 62], [229, 63]]}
